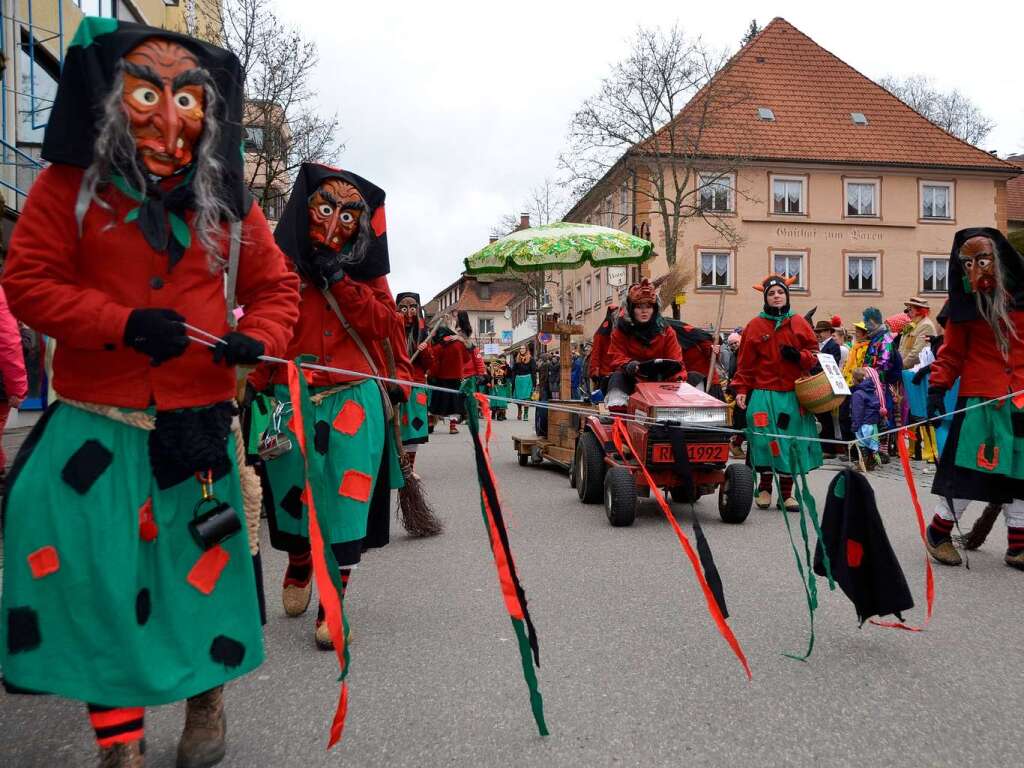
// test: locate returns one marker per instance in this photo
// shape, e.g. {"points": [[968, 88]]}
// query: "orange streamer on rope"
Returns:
{"points": [[620, 436], [329, 597], [929, 579]]}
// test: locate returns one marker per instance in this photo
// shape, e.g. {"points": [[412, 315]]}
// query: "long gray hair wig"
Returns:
{"points": [[994, 308], [115, 153]]}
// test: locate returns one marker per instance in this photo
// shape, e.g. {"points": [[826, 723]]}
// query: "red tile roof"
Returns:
{"points": [[812, 94], [1015, 192]]}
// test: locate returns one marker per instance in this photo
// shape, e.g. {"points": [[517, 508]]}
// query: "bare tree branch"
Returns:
{"points": [[952, 111]]}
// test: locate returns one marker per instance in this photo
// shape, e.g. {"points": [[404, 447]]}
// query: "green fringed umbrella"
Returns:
{"points": [[562, 245]]}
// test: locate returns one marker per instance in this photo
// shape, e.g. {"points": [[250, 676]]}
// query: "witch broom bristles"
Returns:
{"points": [[414, 510]]}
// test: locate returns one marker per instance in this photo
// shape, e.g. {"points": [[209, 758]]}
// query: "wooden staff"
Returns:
{"points": [[430, 332], [714, 340]]}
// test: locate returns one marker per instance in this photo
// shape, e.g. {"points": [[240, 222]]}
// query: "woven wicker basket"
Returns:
{"points": [[814, 393]]}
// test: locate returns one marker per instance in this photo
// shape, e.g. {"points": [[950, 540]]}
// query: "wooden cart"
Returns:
{"points": [[559, 446]]}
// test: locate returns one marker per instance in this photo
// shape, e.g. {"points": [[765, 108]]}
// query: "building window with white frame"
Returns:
{"points": [[935, 274], [790, 264], [597, 288], [716, 192], [936, 200], [715, 269], [788, 194], [588, 297], [624, 202], [861, 197], [862, 272], [485, 325]]}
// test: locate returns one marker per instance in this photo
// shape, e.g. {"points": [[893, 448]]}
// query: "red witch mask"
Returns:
{"points": [[165, 101], [334, 211], [977, 256]]}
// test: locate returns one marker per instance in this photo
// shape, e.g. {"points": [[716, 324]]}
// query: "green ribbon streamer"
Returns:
{"points": [[525, 655]]}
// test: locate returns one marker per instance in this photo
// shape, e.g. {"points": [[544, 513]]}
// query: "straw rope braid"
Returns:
{"points": [[252, 491], [212, 341]]}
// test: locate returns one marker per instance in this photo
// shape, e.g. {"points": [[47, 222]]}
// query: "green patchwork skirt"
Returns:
{"points": [[500, 395], [770, 412], [107, 598], [991, 439], [414, 417], [523, 387], [349, 437]]}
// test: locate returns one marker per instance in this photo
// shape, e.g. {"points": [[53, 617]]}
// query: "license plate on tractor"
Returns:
{"points": [[699, 453]]}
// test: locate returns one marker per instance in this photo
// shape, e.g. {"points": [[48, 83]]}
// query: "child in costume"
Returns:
{"points": [[128, 580], [983, 456], [333, 230], [864, 411], [640, 334], [778, 348]]}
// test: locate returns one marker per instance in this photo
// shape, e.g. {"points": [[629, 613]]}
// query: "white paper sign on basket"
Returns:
{"points": [[835, 376]]}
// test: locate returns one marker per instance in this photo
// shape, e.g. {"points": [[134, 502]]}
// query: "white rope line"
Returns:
{"points": [[211, 339]]}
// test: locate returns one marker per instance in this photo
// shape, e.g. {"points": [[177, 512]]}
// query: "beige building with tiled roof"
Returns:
{"points": [[840, 185], [1015, 197], [488, 303]]}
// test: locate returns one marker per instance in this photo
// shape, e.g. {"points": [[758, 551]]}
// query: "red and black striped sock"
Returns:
{"points": [[300, 566], [942, 527], [1014, 540], [116, 725], [786, 483], [765, 484]]}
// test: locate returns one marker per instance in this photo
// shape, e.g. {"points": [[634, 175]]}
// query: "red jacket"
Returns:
{"points": [[474, 364], [12, 358], [625, 347], [450, 358], [969, 352], [80, 290], [369, 309], [761, 365], [698, 358], [420, 367], [599, 350]]}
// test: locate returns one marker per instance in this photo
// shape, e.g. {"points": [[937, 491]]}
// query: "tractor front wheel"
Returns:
{"points": [[620, 496]]}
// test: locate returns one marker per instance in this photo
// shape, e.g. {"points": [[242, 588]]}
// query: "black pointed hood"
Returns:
{"points": [[962, 307]]}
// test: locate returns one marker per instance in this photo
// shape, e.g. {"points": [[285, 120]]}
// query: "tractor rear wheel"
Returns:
{"points": [[590, 468], [620, 496]]}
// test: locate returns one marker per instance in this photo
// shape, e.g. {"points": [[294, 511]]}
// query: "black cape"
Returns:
{"points": [[688, 335], [961, 305], [292, 232], [86, 79], [862, 560]]}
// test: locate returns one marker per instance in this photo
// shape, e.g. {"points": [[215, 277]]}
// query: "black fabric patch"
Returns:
{"points": [[1017, 420], [322, 437], [143, 606], [292, 502], [86, 465], [417, 423], [782, 420], [188, 441], [22, 630], [227, 651]]}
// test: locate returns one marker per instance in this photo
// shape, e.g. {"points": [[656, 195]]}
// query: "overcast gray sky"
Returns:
{"points": [[458, 109]]}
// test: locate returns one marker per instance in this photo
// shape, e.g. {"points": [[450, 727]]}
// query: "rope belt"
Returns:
{"points": [[252, 492]]}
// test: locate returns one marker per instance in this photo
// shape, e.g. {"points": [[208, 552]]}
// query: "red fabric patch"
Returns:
{"points": [[405, 419], [356, 485], [206, 572], [380, 226], [984, 462], [421, 398], [854, 553], [147, 525], [760, 419], [350, 418], [773, 446], [43, 562]]}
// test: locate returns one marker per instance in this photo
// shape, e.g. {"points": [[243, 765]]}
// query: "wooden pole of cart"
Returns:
{"points": [[715, 339]]}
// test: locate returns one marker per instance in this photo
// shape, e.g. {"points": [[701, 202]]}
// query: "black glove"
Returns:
{"points": [[396, 394], [238, 349], [790, 353], [156, 333], [327, 267], [631, 368], [921, 373], [936, 404]]}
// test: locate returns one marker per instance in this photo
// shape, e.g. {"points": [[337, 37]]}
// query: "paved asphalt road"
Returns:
{"points": [[633, 672]]}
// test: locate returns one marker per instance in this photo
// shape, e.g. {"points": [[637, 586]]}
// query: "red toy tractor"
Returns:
{"points": [[681, 415]]}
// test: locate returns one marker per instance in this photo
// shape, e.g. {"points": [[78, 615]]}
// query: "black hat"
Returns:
{"points": [[962, 307], [89, 68], [292, 232]]}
